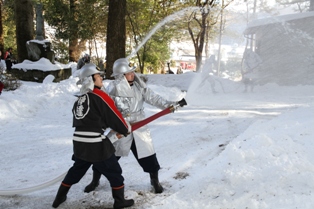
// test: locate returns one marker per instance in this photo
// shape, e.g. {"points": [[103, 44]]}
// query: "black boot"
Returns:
{"points": [[95, 182], [155, 182], [119, 201], [61, 195]]}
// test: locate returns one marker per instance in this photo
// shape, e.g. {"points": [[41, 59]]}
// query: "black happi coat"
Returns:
{"points": [[93, 112]]}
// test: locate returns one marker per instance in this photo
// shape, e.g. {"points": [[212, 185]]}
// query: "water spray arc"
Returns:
{"points": [[139, 124], [166, 20]]}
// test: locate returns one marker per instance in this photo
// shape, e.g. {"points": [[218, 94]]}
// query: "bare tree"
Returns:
{"points": [[300, 5], [198, 36], [198, 25]]}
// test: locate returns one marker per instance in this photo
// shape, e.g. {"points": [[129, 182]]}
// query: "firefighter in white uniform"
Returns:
{"points": [[129, 93]]}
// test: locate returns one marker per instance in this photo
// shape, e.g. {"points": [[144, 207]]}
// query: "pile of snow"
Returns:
{"points": [[225, 149]]}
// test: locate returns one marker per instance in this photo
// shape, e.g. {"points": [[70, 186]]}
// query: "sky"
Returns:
{"points": [[223, 150]]}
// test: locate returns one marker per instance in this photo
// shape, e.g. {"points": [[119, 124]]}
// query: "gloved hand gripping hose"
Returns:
{"points": [[166, 111], [182, 102]]}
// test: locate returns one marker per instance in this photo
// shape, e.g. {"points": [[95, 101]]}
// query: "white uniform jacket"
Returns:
{"points": [[129, 101]]}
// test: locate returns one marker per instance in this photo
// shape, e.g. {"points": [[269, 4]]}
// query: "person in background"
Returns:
{"points": [[179, 70], [169, 69], [208, 73], [84, 60], [129, 93], [251, 62], [1, 87], [93, 112], [102, 66], [8, 57], [2, 68]]}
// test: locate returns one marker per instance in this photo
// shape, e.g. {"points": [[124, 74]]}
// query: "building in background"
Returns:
{"points": [[285, 45]]}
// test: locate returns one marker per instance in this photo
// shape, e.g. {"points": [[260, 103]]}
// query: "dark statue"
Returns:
{"points": [[39, 47]]}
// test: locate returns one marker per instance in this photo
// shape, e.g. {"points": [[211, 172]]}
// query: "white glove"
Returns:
{"points": [[112, 136]]}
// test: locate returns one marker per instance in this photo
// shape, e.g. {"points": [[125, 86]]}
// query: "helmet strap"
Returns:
{"points": [[131, 82]]}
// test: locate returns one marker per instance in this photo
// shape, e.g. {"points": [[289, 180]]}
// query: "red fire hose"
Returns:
{"points": [[135, 126], [141, 123]]}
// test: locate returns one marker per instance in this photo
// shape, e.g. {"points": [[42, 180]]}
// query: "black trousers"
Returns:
{"points": [[110, 168], [8, 64], [149, 164]]}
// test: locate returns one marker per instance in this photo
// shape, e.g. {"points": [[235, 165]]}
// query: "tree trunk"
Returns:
{"points": [[116, 33], [219, 42], [73, 40], [207, 39], [201, 42], [24, 17], [199, 38], [1, 33]]}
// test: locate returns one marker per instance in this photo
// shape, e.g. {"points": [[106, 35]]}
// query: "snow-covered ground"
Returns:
{"points": [[224, 150]]}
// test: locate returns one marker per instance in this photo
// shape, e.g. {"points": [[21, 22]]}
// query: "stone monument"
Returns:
{"points": [[40, 56], [39, 47]]}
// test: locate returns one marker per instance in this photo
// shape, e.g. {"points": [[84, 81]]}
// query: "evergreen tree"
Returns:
{"points": [[1, 30], [8, 25], [73, 32], [24, 21], [76, 22], [142, 18], [116, 33]]}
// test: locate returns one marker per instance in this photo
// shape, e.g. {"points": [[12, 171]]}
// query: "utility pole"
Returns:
{"points": [[220, 36], [311, 5]]}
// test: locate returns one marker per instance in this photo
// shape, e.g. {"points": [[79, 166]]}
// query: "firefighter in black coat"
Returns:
{"points": [[93, 112]]}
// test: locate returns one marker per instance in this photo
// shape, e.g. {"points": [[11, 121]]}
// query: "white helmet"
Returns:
{"points": [[86, 79], [121, 66], [88, 70]]}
